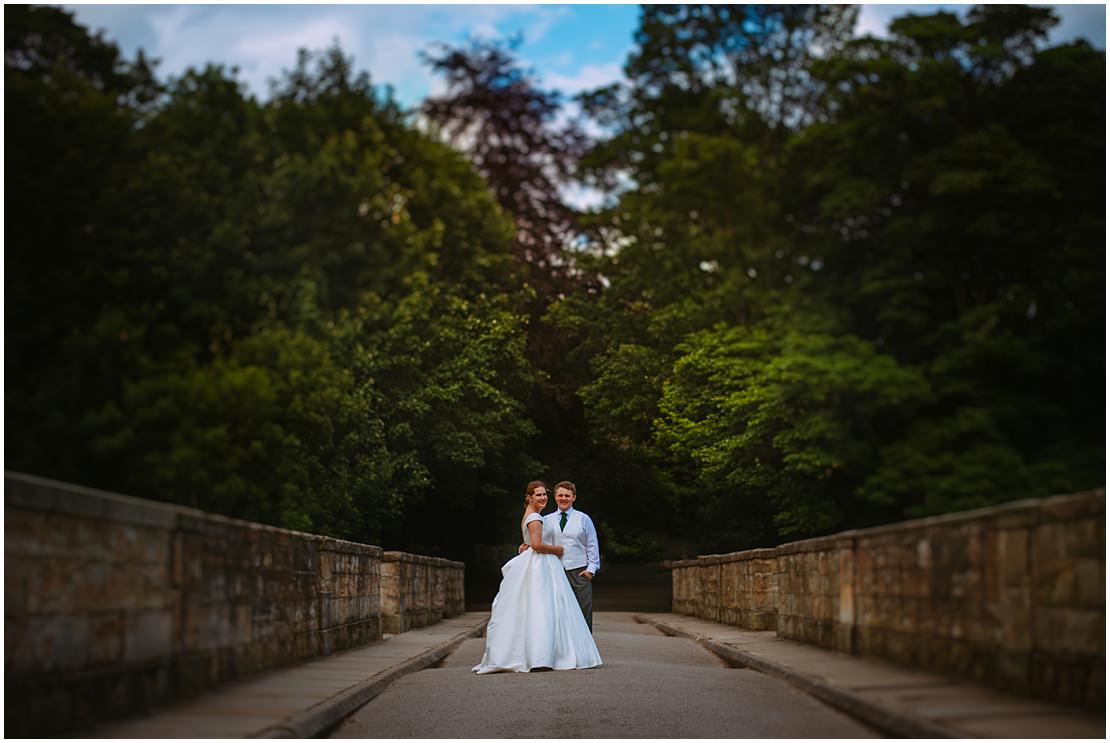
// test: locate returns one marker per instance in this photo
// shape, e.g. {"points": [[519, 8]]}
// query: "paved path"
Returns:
{"points": [[901, 701], [304, 700], [651, 686], [663, 677]]}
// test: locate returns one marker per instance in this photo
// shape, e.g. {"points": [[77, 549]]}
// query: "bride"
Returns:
{"points": [[536, 621]]}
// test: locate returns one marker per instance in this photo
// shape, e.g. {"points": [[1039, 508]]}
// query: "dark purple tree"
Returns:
{"points": [[514, 133]]}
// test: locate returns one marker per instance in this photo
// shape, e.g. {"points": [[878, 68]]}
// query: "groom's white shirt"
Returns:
{"points": [[580, 550]]}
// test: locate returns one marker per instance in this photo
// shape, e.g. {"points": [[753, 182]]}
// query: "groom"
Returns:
{"points": [[581, 557]]}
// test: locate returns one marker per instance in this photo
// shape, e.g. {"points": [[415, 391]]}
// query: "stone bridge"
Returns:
{"points": [[116, 605], [1012, 596]]}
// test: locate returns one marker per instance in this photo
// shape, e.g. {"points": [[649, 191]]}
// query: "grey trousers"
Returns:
{"points": [[584, 592]]}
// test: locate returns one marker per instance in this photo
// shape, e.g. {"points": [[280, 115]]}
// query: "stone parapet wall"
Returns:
{"points": [[115, 604], [419, 590], [1012, 596], [811, 576]]}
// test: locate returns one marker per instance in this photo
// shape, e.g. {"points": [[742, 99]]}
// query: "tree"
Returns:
{"points": [[509, 128], [758, 57], [839, 281], [956, 230], [791, 410], [900, 186], [294, 312], [74, 106]]}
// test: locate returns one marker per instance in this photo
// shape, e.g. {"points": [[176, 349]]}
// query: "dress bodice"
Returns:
{"points": [[524, 527]]}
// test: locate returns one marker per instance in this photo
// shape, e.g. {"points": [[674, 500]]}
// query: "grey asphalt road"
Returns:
{"points": [[650, 686]]}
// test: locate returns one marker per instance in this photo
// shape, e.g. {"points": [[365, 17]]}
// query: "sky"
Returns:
{"points": [[571, 47]]}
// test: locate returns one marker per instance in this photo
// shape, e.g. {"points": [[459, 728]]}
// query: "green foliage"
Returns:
{"points": [[273, 432], [627, 544], [455, 390], [793, 413], [851, 273], [965, 461], [296, 312], [839, 281]]}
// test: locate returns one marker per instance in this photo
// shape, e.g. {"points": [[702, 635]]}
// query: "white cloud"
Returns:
{"points": [[282, 43], [1076, 21], [260, 44], [547, 17], [1080, 22], [874, 19], [588, 77], [563, 59], [262, 40]]}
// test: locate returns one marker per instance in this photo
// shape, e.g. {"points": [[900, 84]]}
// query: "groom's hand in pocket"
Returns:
{"points": [[586, 574]]}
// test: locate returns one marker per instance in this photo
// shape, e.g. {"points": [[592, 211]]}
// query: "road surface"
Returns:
{"points": [[650, 686]]}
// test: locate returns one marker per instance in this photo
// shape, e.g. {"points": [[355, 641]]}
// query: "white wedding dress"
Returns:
{"points": [[536, 621]]}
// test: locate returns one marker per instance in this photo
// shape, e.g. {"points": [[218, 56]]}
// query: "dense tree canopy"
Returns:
{"points": [[837, 280], [301, 312], [882, 303]]}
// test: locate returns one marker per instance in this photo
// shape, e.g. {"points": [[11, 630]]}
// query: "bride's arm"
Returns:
{"points": [[535, 533]]}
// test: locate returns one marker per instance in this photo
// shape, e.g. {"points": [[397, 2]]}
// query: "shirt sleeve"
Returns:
{"points": [[593, 552]]}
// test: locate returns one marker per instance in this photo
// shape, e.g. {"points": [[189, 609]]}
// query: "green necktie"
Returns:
{"points": [[563, 521]]}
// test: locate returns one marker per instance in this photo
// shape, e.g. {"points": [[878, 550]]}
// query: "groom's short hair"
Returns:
{"points": [[567, 485]]}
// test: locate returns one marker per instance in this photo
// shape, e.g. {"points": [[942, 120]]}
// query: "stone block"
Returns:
{"points": [[27, 492], [1049, 545], [53, 591], [1069, 680], [188, 633], [899, 646], [297, 613], [244, 623], [1095, 683], [122, 509], [192, 568], [1055, 584], [1086, 539], [24, 534], [908, 617], [1073, 507], [85, 504], [148, 635], [51, 643], [106, 632], [1006, 669], [915, 582], [1013, 549], [1090, 577], [1067, 631], [1015, 620], [220, 629], [20, 575], [124, 542], [985, 625], [137, 586], [733, 616]]}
